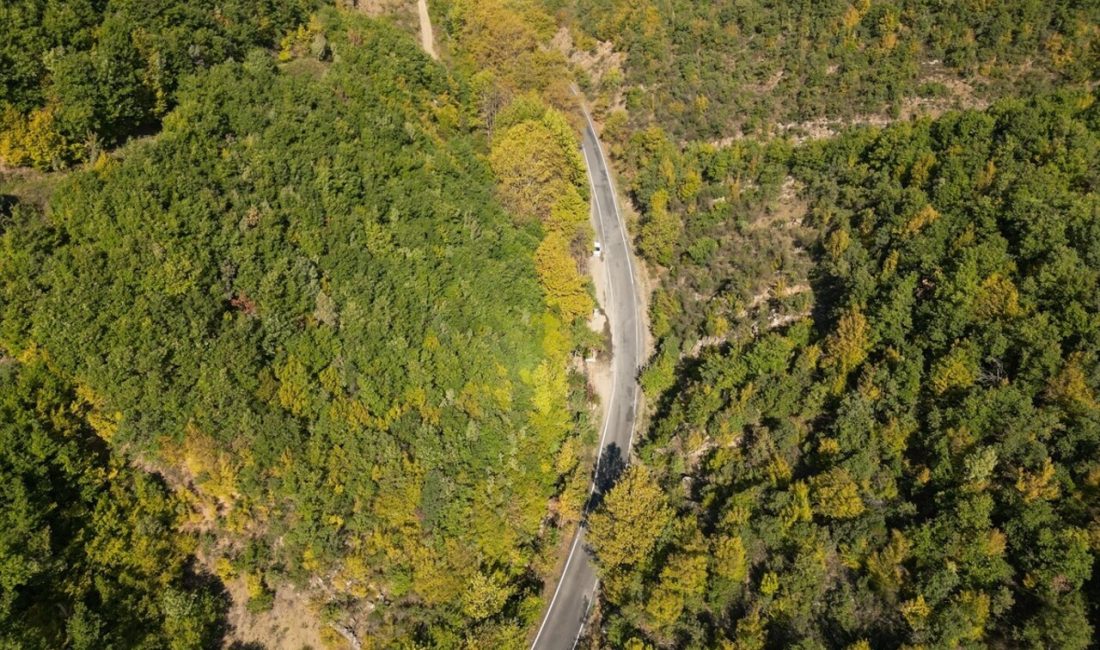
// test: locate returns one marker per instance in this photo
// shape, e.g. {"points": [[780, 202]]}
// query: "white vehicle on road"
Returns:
{"points": [[577, 587]]}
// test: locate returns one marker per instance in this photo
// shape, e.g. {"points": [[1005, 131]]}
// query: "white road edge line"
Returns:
{"points": [[564, 571], [607, 413], [629, 257], [603, 237], [584, 620], [611, 299]]}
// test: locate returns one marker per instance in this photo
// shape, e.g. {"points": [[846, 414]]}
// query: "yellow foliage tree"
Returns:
{"points": [[532, 169], [684, 576], [997, 297], [565, 287], [32, 140], [566, 137], [12, 127], [573, 496], [769, 584], [958, 369], [294, 386], [502, 38], [751, 632], [661, 230], [633, 516], [798, 508], [1070, 388], [569, 214], [837, 243], [836, 495], [729, 559], [849, 345], [438, 574], [974, 608], [885, 566], [485, 596], [915, 612], [690, 185], [924, 217], [1038, 485]]}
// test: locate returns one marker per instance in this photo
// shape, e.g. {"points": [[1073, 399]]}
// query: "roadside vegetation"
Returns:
{"points": [[872, 229], [85, 536], [284, 302], [915, 463], [323, 318], [715, 70]]}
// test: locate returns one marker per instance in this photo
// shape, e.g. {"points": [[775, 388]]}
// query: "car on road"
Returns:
{"points": [[597, 249]]}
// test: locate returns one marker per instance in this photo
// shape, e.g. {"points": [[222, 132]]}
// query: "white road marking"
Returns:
{"points": [[615, 375], [603, 434], [564, 572], [584, 619], [611, 300], [629, 255], [603, 236]]}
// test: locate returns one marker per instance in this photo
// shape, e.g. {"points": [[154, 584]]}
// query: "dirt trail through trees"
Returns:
{"points": [[427, 38]]}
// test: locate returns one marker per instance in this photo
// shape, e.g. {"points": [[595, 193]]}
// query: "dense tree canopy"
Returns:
{"points": [[915, 464], [318, 326], [79, 75], [302, 302], [89, 553], [705, 70], [501, 46], [866, 344]]}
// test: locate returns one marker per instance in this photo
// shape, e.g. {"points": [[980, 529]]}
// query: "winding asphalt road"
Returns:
{"points": [[564, 620]]}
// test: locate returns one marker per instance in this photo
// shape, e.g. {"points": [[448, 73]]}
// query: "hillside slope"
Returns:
{"points": [[915, 463], [302, 304]]}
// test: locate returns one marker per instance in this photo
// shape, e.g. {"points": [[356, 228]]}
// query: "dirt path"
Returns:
{"points": [[427, 37]]}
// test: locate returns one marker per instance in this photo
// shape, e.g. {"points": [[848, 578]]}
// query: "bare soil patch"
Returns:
{"points": [[291, 624]]}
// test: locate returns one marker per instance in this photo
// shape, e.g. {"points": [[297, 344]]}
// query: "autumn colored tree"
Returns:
{"points": [[630, 520], [336, 346], [89, 551], [533, 168], [565, 288], [503, 42], [906, 460], [82, 75]]}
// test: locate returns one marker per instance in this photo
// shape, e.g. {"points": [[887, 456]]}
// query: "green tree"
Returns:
{"points": [[661, 230], [89, 550]]}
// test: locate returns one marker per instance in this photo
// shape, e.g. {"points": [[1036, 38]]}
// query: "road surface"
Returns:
{"points": [[564, 619]]}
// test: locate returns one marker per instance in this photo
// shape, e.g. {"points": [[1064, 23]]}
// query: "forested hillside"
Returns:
{"points": [[872, 402], [79, 76], [701, 104], [712, 70], [915, 463], [302, 303], [89, 553], [291, 320]]}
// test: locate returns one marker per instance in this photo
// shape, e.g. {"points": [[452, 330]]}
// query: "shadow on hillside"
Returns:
{"points": [[200, 582], [7, 202]]}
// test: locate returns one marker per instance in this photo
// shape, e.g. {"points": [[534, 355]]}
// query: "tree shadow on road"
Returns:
{"points": [[611, 465]]}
